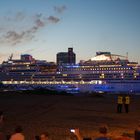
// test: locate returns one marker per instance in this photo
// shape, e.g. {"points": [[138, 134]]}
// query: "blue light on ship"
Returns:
{"points": [[72, 66]]}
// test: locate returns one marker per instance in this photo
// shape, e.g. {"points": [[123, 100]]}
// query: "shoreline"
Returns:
{"points": [[56, 114]]}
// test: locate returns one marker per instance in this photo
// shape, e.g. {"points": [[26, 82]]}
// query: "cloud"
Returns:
{"points": [[21, 27], [14, 36], [39, 23], [39, 15], [60, 9], [53, 19]]}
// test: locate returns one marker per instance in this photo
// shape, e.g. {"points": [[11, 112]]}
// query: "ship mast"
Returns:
{"points": [[10, 57], [127, 56]]}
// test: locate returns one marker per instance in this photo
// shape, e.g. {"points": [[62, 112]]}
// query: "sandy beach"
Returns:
{"points": [[56, 114]]}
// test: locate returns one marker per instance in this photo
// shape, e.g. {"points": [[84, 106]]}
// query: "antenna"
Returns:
{"points": [[127, 56], [10, 57]]}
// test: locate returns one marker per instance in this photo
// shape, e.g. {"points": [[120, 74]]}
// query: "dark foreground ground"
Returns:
{"points": [[56, 114]]}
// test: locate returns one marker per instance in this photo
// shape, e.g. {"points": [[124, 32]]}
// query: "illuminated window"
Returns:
{"points": [[102, 76], [64, 75]]}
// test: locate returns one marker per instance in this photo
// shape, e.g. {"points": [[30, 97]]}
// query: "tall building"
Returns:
{"points": [[66, 57]]}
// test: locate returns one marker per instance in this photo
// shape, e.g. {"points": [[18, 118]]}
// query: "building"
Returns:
{"points": [[66, 57]]}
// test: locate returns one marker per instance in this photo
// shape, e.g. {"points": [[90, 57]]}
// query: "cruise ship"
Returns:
{"points": [[105, 72]]}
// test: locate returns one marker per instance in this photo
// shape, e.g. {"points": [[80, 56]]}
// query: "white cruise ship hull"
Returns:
{"points": [[110, 87], [127, 86]]}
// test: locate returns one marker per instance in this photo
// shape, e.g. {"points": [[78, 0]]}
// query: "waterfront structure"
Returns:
{"points": [[66, 57], [105, 72]]}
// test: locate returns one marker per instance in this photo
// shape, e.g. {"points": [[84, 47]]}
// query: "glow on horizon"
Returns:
{"points": [[43, 28]]}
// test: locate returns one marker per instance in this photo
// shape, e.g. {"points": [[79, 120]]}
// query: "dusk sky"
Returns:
{"points": [[43, 28]]}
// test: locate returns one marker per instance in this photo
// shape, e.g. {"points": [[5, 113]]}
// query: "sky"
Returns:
{"points": [[43, 28]]}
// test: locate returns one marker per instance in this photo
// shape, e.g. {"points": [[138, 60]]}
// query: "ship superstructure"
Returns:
{"points": [[105, 72]]}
